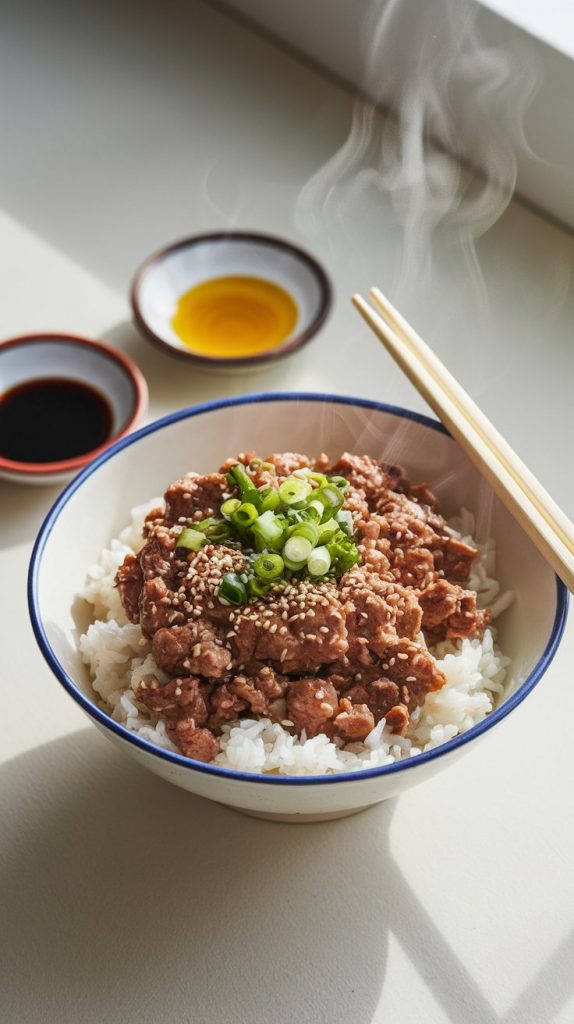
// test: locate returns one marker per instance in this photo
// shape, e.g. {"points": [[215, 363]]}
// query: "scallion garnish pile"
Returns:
{"points": [[299, 529]]}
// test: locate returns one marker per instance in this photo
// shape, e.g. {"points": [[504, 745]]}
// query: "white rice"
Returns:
{"points": [[118, 655]]}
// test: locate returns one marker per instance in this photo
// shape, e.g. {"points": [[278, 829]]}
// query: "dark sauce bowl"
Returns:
{"points": [[63, 400]]}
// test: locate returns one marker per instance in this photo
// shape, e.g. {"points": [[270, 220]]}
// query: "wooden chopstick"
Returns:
{"points": [[512, 462], [544, 522]]}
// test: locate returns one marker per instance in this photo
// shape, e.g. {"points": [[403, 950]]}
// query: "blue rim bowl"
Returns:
{"points": [[103, 719]]}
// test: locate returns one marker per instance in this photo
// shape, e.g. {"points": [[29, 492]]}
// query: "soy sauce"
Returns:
{"points": [[52, 419]]}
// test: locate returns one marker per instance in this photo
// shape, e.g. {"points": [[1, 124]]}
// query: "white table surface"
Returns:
{"points": [[124, 899]]}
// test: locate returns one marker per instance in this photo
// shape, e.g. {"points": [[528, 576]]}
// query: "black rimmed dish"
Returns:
{"points": [[142, 465], [170, 273], [74, 380]]}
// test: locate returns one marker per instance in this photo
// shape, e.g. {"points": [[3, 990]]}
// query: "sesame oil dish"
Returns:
{"points": [[234, 316]]}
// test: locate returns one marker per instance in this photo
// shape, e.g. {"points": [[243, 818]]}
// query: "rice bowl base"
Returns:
{"points": [[118, 656], [93, 509]]}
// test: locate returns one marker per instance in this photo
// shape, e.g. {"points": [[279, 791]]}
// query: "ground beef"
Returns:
{"points": [[398, 719], [379, 695], [299, 630], [129, 581], [450, 613], [187, 694], [311, 705], [194, 497], [327, 657], [200, 744], [354, 721], [196, 648]]}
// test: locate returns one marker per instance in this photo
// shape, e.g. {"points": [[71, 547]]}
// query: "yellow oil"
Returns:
{"points": [[229, 317]]}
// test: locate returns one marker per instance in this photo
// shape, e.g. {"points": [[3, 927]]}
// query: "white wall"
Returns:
{"points": [[332, 33]]}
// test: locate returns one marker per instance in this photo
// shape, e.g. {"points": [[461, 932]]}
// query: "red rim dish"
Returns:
{"points": [[271, 355], [140, 399]]}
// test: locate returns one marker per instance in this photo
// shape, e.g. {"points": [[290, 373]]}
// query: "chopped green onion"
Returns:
{"points": [[232, 589], [328, 530], [244, 516], [310, 474], [218, 530], [294, 566], [316, 509], [191, 540], [297, 549], [292, 491], [339, 481], [230, 506], [344, 555], [269, 567], [240, 479], [331, 499], [345, 521], [309, 530], [269, 530], [205, 523], [215, 529], [257, 588], [256, 464], [253, 496], [269, 499], [319, 562]]}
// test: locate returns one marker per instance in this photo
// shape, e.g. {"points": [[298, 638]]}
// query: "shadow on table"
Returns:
{"points": [[174, 383], [126, 898], [22, 510]]}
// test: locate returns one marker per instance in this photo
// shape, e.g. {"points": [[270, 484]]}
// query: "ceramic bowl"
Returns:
{"points": [[71, 357], [168, 274], [96, 505]]}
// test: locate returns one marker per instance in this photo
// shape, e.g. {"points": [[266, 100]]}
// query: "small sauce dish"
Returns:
{"points": [[63, 400], [231, 301]]}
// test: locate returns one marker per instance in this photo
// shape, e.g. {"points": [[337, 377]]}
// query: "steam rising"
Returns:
{"points": [[454, 96]]}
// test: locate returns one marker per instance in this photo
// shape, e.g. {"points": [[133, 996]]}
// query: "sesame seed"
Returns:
{"points": [[402, 656], [323, 629]]}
